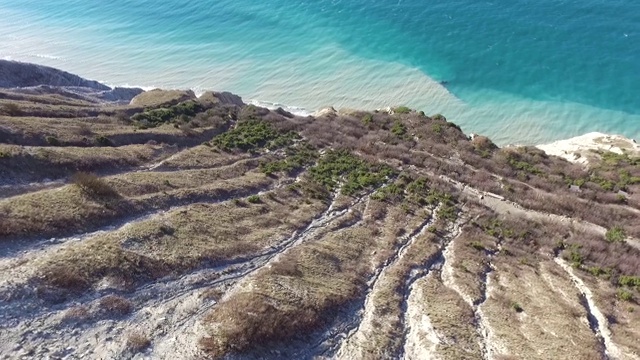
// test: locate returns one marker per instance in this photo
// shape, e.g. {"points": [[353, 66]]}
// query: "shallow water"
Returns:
{"points": [[521, 72]]}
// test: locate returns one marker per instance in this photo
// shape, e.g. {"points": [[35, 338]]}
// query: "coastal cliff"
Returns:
{"points": [[35, 79], [174, 226]]}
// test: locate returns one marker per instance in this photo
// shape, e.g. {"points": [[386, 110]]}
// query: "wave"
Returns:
{"points": [[299, 111]]}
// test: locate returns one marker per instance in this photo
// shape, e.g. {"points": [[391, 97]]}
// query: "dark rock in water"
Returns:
{"points": [[15, 74]]}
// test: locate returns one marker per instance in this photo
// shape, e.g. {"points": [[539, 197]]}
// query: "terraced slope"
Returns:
{"points": [[178, 227]]}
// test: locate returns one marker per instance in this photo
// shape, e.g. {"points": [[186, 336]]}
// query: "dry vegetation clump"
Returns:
{"points": [[116, 305], [11, 109], [330, 272], [137, 341], [93, 185], [77, 313], [65, 277]]}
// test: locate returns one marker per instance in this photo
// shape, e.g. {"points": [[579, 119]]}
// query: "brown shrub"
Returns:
{"points": [[11, 109], [137, 342], [116, 305], [249, 330], [65, 277], [76, 313], [93, 185]]}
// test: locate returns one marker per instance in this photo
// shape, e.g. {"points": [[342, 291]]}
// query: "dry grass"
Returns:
{"points": [[552, 323], [329, 271], [68, 210], [93, 186], [77, 313], [380, 334], [451, 317], [116, 305], [26, 164], [181, 240], [157, 98], [136, 342]]}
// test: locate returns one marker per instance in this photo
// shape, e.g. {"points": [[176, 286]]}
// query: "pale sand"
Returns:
{"points": [[578, 149]]}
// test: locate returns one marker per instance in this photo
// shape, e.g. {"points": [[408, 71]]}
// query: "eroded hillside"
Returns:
{"points": [[179, 227]]}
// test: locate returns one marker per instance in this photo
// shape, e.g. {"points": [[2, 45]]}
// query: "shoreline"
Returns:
{"points": [[576, 149], [579, 149]]}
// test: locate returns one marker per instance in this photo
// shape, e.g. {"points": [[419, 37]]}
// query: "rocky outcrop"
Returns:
{"points": [[212, 97], [17, 74], [158, 98], [33, 79], [119, 94]]}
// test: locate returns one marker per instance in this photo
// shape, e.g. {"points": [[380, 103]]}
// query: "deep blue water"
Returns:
{"points": [[519, 71]]}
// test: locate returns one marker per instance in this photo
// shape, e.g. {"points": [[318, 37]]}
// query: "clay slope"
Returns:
{"points": [[194, 228]]}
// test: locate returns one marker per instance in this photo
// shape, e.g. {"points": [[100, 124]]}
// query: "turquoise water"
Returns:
{"points": [[519, 71]]}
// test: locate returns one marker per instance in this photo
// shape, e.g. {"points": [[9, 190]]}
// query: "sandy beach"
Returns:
{"points": [[580, 149]]}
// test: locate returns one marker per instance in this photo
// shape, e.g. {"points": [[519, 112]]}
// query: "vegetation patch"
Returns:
{"points": [[155, 117], [616, 234], [355, 174], [116, 305], [401, 110], [253, 134], [297, 158], [93, 185], [136, 342]]}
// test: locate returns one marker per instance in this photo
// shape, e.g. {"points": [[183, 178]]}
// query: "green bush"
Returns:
{"points": [[399, 129], [631, 281], [254, 199], [616, 234], [355, 174], [515, 306], [367, 119], [252, 134], [297, 157], [156, 117], [402, 110], [625, 295]]}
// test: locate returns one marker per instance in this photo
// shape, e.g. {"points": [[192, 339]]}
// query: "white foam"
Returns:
{"points": [[299, 111], [45, 56]]}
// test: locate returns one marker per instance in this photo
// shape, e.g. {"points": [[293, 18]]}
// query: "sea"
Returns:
{"points": [[518, 71]]}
